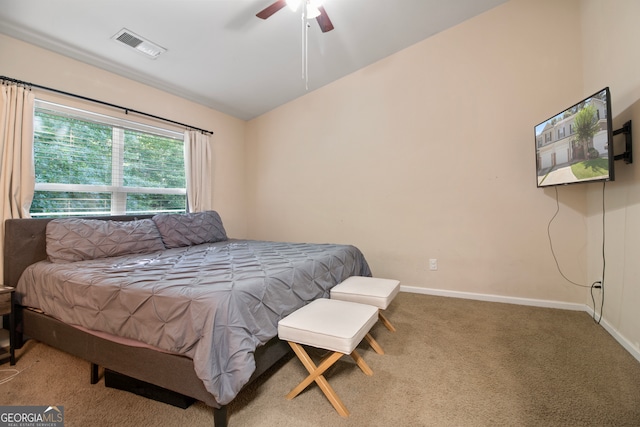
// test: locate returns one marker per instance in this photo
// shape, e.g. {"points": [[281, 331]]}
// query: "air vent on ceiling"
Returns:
{"points": [[138, 43]]}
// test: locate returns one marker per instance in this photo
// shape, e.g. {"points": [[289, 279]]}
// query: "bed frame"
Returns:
{"points": [[25, 244]]}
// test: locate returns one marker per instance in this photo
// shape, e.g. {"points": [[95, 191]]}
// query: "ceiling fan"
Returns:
{"points": [[312, 9]]}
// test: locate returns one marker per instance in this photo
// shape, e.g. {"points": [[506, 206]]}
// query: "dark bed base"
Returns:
{"points": [[113, 379], [24, 245], [165, 370]]}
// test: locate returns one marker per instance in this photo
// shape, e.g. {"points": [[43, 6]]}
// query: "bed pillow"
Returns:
{"points": [[179, 230], [75, 239]]}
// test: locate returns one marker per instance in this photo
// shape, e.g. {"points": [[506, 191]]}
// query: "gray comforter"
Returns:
{"points": [[215, 303]]}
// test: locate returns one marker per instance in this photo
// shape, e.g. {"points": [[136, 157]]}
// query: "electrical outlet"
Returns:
{"points": [[433, 264]]}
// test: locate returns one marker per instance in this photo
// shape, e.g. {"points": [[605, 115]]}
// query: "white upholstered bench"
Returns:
{"points": [[369, 290], [333, 325]]}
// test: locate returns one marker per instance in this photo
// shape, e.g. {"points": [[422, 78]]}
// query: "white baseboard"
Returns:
{"points": [[527, 301], [616, 335], [494, 298]]}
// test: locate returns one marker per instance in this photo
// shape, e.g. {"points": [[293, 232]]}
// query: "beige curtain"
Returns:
{"points": [[199, 170], [17, 175]]}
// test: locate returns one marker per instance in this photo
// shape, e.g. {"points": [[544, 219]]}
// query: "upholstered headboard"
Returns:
{"points": [[25, 243]]}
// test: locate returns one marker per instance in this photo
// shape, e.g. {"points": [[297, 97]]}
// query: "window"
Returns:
{"points": [[91, 164], [561, 133]]}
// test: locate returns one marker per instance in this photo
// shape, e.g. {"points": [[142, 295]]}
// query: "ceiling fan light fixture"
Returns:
{"points": [[311, 6], [312, 11], [293, 4]]}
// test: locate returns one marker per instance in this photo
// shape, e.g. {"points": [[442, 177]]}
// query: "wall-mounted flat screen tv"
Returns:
{"points": [[576, 145]]}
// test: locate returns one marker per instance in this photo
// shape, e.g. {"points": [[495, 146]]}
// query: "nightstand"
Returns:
{"points": [[7, 303]]}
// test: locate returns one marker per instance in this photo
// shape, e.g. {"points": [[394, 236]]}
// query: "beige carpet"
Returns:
{"points": [[453, 362]]}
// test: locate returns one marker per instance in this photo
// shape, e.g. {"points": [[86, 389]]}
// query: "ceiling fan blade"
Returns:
{"points": [[323, 20], [270, 10]]}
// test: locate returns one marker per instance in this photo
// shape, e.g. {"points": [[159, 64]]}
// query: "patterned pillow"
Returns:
{"points": [[190, 229], [76, 239]]}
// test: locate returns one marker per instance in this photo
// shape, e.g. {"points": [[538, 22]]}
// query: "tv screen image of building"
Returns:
{"points": [[576, 144]]}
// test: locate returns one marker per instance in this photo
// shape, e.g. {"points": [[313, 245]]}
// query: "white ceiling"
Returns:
{"points": [[219, 53]]}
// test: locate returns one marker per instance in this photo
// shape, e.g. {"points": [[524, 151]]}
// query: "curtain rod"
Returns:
{"points": [[126, 110]]}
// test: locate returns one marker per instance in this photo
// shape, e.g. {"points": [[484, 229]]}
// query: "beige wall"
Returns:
{"points": [[429, 153], [610, 35], [26, 62]]}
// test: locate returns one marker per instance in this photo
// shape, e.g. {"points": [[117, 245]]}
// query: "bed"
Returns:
{"points": [[195, 314]]}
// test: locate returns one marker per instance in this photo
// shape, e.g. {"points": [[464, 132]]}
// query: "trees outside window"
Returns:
{"points": [[90, 164]]}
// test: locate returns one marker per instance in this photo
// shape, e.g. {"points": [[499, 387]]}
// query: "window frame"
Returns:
{"points": [[118, 190]]}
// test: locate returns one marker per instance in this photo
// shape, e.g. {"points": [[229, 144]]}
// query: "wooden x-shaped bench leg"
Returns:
{"points": [[315, 374], [374, 344], [386, 322]]}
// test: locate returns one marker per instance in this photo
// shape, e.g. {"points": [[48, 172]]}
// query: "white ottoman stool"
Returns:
{"points": [[368, 290], [333, 325]]}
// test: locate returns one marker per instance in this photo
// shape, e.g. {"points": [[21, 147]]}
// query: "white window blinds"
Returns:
{"points": [[92, 164]]}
